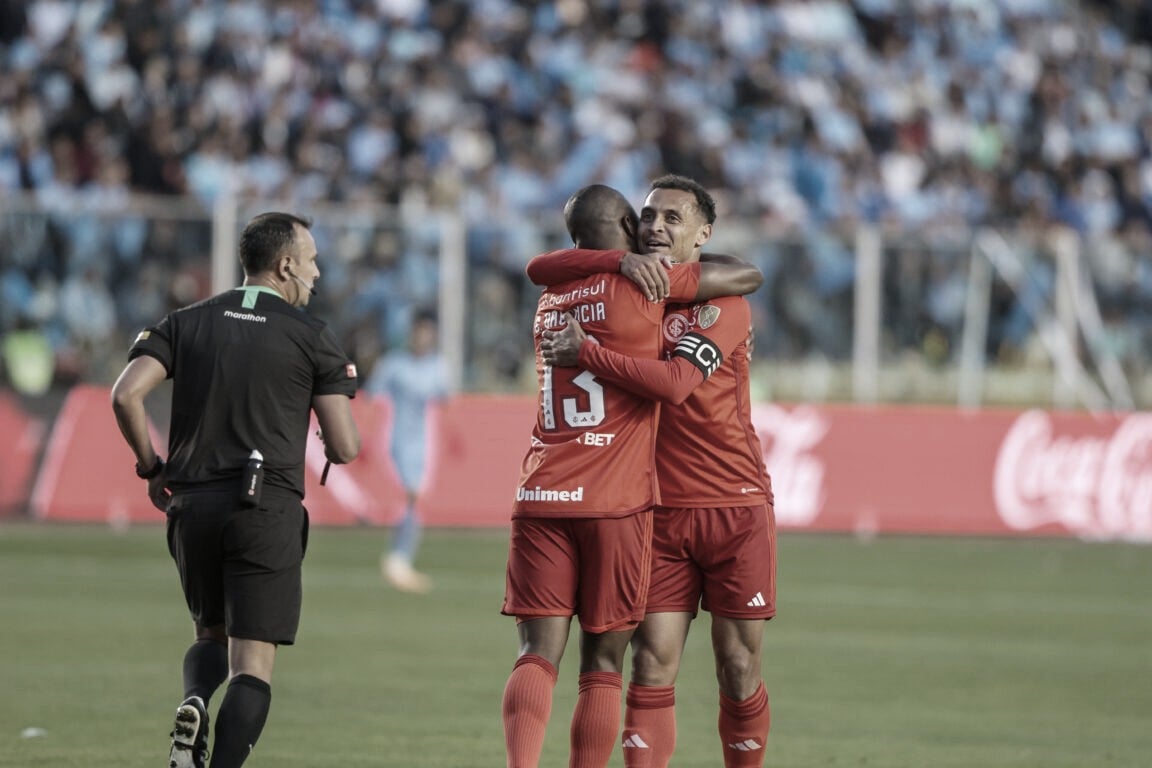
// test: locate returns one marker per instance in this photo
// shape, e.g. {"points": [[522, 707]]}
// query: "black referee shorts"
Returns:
{"points": [[240, 566]]}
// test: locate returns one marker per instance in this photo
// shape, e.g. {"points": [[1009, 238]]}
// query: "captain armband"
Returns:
{"points": [[701, 352]]}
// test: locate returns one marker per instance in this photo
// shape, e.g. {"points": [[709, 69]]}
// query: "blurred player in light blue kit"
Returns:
{"points": [[411, 378]]}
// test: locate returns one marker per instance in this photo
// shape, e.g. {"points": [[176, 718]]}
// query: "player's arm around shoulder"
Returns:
{"points": [[555, 267], [722, 275], [341, 436]]}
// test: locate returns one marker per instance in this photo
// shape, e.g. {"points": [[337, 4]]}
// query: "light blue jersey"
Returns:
{"points": [[411, 383]]}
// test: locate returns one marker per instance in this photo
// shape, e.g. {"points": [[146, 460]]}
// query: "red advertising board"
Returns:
{"points": [[834, 468], [473, 464], [21, 436], [919, 470]]}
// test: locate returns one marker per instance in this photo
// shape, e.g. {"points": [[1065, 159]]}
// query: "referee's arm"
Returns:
{"points": [[341, 438], [140, 377]]}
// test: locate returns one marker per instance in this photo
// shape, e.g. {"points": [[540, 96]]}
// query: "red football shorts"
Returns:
{"points": [[721, 559], [594, 568]]}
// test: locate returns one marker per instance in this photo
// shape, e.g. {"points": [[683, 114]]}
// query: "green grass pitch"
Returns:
{"points": [[902, 651]]}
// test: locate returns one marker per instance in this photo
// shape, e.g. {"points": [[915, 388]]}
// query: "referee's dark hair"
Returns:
{"points": [[265, 239], [704, 200]]}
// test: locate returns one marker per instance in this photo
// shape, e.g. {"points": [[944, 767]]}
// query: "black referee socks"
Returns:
{"points": [[205, 668], [240, 720]]}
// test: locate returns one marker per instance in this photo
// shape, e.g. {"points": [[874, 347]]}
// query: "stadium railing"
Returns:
{"points": [[859, 314]]}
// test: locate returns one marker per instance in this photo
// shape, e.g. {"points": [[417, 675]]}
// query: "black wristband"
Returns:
{"points": [[155, 469]]}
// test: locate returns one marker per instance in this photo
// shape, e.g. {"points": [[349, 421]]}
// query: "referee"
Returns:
{"points": [[247, 368]]}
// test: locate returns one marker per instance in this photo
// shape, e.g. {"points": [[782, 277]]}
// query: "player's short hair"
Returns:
{"points": [[595, 211], [266, 237], [704, 200]]}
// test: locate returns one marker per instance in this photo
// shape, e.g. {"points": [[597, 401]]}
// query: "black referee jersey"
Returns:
{"points": [[245, 365]]}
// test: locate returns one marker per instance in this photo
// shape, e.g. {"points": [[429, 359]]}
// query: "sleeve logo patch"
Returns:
{"points": [[708, 316], [142, 336], [350, 370]]}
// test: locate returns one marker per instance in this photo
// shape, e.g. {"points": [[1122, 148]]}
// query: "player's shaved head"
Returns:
{"points": [[599, 217]]}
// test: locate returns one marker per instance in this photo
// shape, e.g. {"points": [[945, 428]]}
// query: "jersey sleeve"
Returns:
{"points": [[721, 325], [669, 381], [683, 282], [334, 373], [155, 341], [558, 267]]}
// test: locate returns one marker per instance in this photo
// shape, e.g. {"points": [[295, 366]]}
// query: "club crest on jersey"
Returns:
{"points": [[675, 326], [708, 316]]}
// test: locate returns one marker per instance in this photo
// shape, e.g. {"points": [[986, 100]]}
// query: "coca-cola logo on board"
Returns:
{"points": [[1095, 486], [789, 438]]}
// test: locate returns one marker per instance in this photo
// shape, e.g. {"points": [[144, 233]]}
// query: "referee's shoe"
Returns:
{"points": [[190, 735]]}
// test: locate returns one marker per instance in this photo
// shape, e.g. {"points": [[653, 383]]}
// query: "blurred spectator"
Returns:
{"points": [[88, 313], [27, 360]]}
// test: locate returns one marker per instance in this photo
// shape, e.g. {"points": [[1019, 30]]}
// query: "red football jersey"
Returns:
{"points": [[709, 454], [592, 451]]}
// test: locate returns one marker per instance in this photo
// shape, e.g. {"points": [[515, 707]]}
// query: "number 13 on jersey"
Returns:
{"points": [[573, 416]]}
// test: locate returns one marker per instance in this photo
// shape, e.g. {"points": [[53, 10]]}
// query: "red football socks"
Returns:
{"points": [[744, 729], [596, 720], [526, 709], [649, 726]]}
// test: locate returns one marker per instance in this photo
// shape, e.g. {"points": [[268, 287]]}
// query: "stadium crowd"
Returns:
{"points": [[927, 118]]}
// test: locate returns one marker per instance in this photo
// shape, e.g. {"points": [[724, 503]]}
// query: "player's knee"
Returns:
{"points": [[545, 638], [604, 652], [651, 667], [602, 662], [738, 674]]}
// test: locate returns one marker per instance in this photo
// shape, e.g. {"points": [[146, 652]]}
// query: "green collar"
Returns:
{"points": [[252, 291]]}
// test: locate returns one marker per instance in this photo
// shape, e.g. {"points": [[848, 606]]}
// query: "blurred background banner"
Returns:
{"points": [[850, 469]]}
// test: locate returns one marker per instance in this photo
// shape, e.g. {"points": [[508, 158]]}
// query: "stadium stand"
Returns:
{"points": [[926, 118]]}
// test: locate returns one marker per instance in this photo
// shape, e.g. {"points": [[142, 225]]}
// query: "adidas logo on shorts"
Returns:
{"points": [[757, 602]]}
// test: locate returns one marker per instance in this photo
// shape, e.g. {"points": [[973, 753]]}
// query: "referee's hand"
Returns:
{"points": [[157, 491]]}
